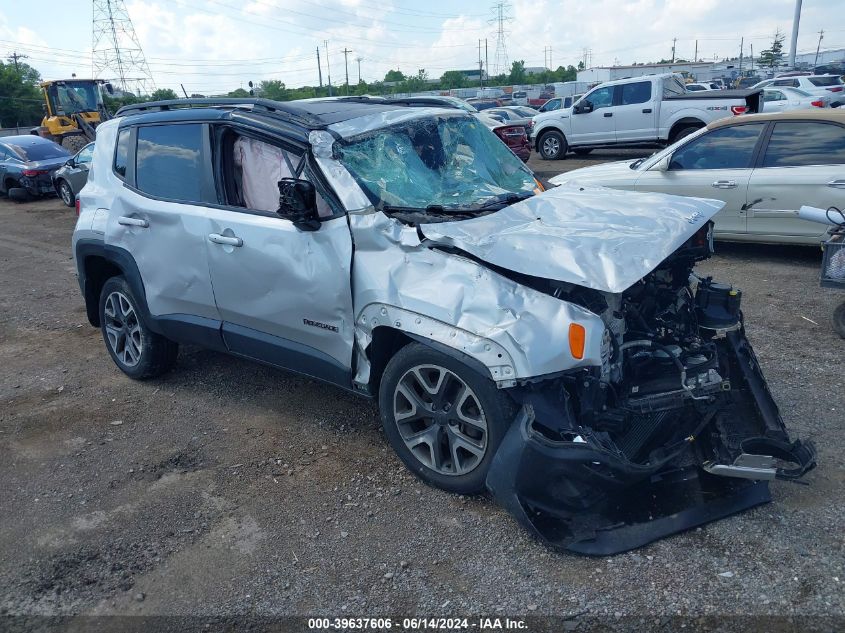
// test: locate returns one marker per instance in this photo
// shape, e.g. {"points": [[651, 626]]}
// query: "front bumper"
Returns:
{"points": [[581, 495]]}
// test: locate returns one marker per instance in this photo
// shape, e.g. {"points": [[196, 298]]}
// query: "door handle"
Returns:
{"points": [[225, 240], [646, 110], [608, 114], [837, 184], [724, 184], [133, 222]]}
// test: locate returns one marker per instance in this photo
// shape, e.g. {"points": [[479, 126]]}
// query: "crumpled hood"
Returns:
{"points": [[594, 237]]}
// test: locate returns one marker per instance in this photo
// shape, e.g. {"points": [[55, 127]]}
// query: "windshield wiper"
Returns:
{"points": [[508, 198]]}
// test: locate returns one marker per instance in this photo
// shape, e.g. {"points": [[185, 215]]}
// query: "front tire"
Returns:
{"points": [[66, 193], [138, 352], [444, 420], [74, 142], [552, 145], [683, 133]]}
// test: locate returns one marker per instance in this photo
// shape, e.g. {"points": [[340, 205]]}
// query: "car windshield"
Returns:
{"points": [[437, 164], [41, 151]]}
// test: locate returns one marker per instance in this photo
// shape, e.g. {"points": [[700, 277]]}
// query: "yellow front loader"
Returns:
{"points": [[74, 108]]}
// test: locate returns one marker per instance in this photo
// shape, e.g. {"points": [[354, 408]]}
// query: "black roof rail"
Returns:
{"points": [[266, 106]]}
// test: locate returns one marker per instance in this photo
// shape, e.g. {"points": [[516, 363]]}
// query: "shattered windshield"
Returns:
{"points": [[446, 163]]}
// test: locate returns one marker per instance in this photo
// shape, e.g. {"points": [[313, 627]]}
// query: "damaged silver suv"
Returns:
{"points": [[552, 347]]}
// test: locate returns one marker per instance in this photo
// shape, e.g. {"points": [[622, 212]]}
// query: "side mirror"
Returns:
{"points": [[582, 107], [109, 88], [70, 162], [298, 203], [663, 163]]}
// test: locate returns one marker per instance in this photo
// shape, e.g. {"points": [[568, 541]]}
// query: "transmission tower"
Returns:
{"points": [[501, 16], [116, 52]]}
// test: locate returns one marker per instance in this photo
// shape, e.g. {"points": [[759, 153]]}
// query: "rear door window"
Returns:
{"points": [[825, 81], [725, 148], [799, 143], [639, 92], [169, 161]]}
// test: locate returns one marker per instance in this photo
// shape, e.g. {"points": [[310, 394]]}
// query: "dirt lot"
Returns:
{"points": [[227, 488]]}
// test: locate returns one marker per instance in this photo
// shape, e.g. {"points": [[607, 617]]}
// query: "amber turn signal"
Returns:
{"points": [[577, 340]]}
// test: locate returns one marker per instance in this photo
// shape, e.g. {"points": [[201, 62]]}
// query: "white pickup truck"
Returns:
{"points": [[654, 110]]}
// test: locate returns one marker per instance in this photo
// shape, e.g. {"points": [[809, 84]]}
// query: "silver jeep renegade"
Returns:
{"points": [[554, 348]]}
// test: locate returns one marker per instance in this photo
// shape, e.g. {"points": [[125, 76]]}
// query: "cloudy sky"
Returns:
{"points": [[218, 45]]}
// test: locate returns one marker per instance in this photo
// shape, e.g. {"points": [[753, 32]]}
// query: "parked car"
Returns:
{"points": [[515, 115], [651, 110], [816, 85], [484, 103], [70, 178], [764, 167], [512, 134], [520, 98], [784, 99], [404, 255], [26, 163]]}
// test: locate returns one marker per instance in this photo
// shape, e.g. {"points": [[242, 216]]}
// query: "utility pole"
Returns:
{"points": [[818, 48], [486, 59], [674, 39], [794, 43], [328, 68], [319, 68], [480, 67], [741, 49], [346, 63], [752, 59], [695, 57], [15, 57], [359, 60]]}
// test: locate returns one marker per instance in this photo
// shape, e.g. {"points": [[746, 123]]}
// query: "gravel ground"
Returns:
{"points": [[231, 489]]}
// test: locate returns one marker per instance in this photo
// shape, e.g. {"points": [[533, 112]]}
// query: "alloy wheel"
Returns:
{"points": [[551, 146], [440, 420], [123, 329], [66, 193]]}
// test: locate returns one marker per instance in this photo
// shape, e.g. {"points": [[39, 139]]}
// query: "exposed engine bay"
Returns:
{"points": [[676, 428]]}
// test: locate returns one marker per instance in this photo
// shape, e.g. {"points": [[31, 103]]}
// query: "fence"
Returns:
{"points": [[14, 131]]}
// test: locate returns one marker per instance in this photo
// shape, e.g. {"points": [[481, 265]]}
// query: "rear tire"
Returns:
{"points": [[19, 194], [66, 193], [552, 145], [444, 420], [138, 352], [683, 133], [839, 320], [75, 142]]}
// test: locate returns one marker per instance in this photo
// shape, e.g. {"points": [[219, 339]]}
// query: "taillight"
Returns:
{"points": [[77, 207], [513, 131], [817, 103], [739, 109], [836, 89], [34, 172]]}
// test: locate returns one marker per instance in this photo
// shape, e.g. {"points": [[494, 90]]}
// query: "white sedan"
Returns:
{"points": [[784, 99], [763, 166], [828, 85]]}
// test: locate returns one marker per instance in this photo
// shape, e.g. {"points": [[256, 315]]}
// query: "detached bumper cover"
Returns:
{"points": [[579, 496]]}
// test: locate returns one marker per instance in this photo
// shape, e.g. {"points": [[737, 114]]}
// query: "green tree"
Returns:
{"points": [[453, 79], [773, 55], [273, 89], [417, 82], [517, 74], [163, 94], [581, 65], [238, 93], [21, 99], [394, 75]]}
